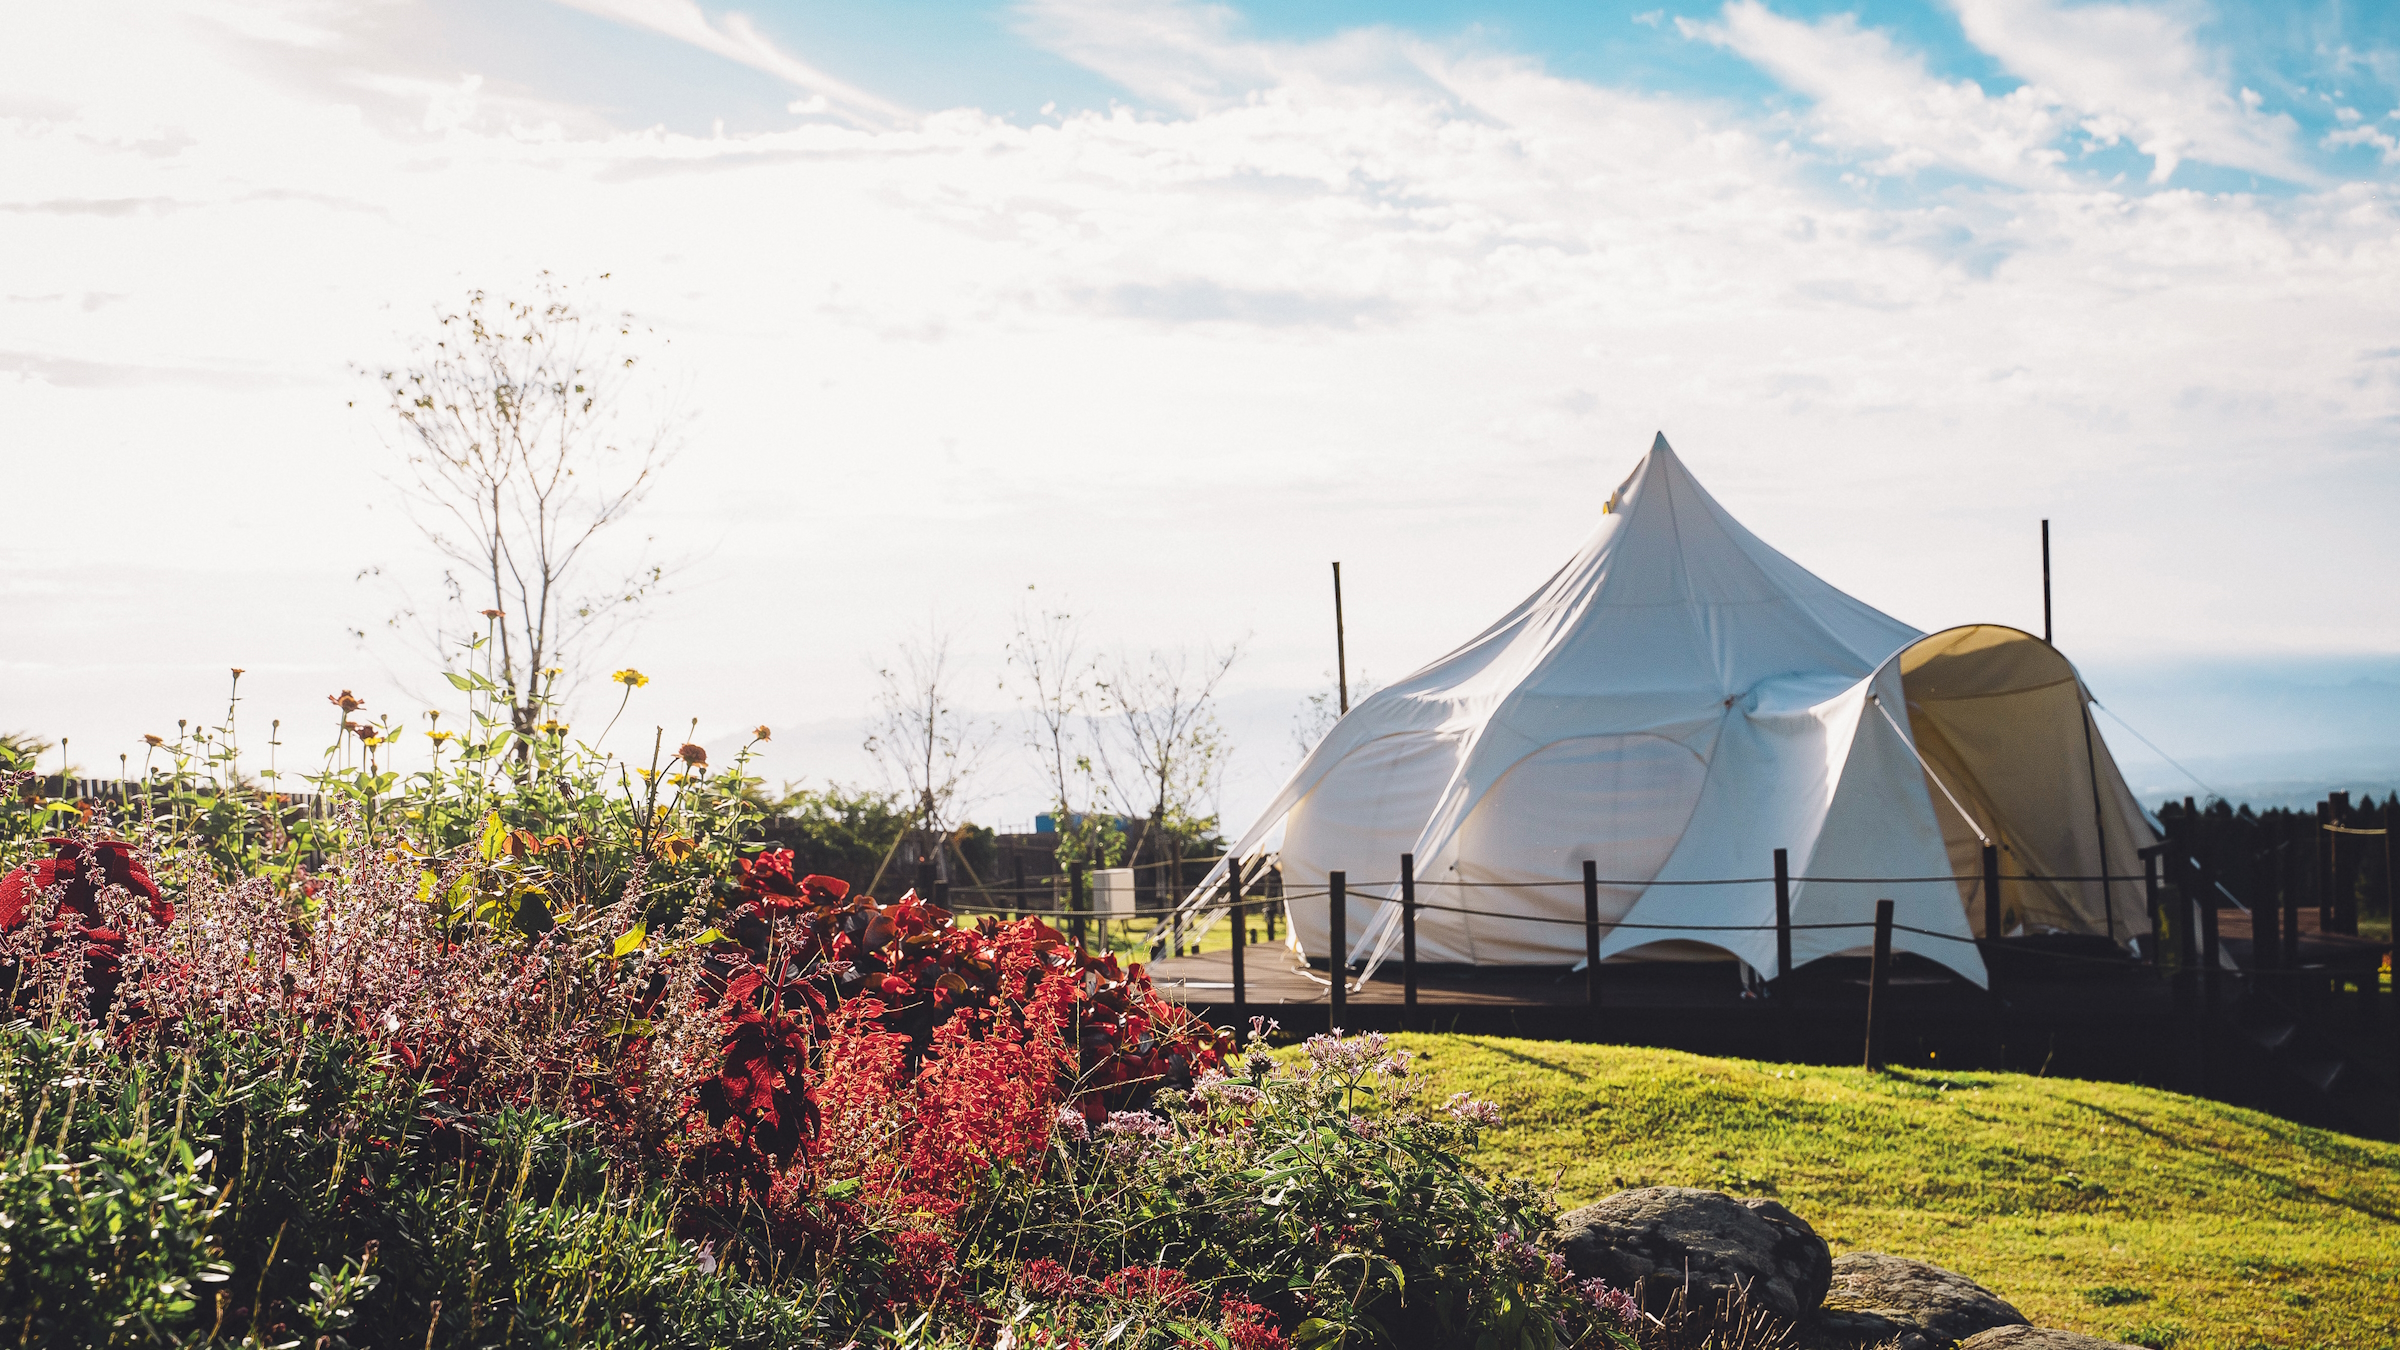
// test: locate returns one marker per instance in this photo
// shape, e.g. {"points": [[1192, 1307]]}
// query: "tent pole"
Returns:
{"points": [[1341, 651], [2091, 765], [2046, 583]]}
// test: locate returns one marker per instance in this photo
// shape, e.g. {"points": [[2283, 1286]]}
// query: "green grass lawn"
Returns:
{"points": [[2118, 1211], [1130, 938]]}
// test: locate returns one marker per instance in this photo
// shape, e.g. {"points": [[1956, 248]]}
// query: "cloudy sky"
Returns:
{"points": [[1155, 308]]}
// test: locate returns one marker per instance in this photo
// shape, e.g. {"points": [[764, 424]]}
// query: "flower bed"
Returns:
{"points": [[468, 1089]]}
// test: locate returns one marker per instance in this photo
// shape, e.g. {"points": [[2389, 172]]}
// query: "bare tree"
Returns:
{"points": [[1161, 744], [1319, 712], [531, 426], [927, 747], [1058, 682]]}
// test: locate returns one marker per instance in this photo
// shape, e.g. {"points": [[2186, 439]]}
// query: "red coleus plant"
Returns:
{"points": [[893, 1056], [798, 946]]}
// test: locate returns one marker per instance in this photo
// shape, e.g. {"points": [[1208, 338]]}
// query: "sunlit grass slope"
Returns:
{"points": [[2120, 1211]]}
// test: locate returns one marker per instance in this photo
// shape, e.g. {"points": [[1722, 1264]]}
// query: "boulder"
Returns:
{"points": [[1884, 1300], [1650, 1241], [2038, 1338]]}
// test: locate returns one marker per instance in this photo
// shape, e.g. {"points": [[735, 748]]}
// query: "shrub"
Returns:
{"points": [[502, 1053], [1316, 1193]]}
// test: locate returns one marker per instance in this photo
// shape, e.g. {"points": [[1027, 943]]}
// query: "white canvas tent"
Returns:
{"points": [[1674, 704]]}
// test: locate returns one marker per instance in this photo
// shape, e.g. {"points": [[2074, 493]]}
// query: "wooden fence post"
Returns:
{"points": [[1337, 904], [2187, 882], [1591, 932], [1016, 901], [1408, 941], [2288, 958], [1783, 914], [1075, 900], [2324, 860], [2149, 857], [1241, 932], [2208, 984], [1879, 975], [2266, 930]]}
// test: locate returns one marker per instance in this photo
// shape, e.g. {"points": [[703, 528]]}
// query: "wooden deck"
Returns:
{"points": [[1273, 975]]}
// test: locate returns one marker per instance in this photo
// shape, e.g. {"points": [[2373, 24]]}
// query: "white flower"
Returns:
{"points": [[1470, 1110]]}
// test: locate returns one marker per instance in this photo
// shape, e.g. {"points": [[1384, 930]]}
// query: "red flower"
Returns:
{"points": [[1248, 1326], [1152, 1284], [1046, 1278]]}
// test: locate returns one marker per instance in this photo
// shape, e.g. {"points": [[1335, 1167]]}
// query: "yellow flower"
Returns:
{"points": [[554, 727], [630, 678], [440, 736], [761, 733]]}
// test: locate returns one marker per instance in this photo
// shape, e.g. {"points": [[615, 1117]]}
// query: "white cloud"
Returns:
{"points": [[737, 39], [2116, 73], [1870, 93], [2355, 130], [2137, 73], [1377, 299]]}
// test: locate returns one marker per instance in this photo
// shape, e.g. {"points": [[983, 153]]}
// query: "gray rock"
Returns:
{"points": [[1648, 1242], [2038, 1338], [1883, 1300]]}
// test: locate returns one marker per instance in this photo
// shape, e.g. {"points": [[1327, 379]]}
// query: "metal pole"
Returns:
{"points": [[1992, 928], [1241, 932], [1878, 976], [1783, 914], [1341, 651], [2046, 582], [1337, 964], [1075, 900], [1408, 940], [1591, 932]]}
